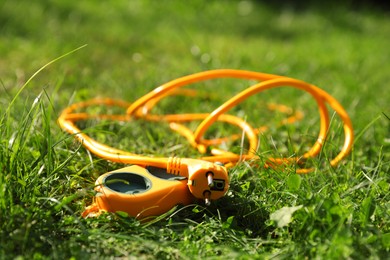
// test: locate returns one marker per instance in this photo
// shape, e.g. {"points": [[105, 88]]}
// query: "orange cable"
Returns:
{"points": [[141, 109]]}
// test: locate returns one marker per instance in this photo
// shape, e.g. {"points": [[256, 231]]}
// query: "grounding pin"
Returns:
{"points": [[207, 195], [210, 180]]}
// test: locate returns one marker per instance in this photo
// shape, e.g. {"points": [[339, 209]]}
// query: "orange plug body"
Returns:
{"points": [[143, 192], [206, 180], [138, 192]]}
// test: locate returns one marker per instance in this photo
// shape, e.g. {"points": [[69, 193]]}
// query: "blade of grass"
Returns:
{"points": [[33, 76]]}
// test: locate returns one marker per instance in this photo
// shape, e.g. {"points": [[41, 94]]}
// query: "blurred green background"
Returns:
{"points": [[342, 48]]}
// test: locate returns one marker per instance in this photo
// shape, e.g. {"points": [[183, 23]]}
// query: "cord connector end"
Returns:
{"points": [[206, 180]]}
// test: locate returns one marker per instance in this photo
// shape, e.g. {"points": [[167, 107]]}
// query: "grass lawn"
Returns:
{"points": [[46, 178]]}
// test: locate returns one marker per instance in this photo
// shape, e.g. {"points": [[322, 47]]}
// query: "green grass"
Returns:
{"points": [[46, 178]]}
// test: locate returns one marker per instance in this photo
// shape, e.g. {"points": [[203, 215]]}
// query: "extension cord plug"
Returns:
{"points": [[206, 180]]}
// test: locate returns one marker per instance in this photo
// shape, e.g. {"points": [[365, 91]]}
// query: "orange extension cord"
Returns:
{"points": [[141, 107]]}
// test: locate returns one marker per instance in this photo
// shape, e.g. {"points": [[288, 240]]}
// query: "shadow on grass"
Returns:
{"points": [[236, 213]]}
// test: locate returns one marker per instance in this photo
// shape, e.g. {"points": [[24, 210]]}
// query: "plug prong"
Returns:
{"points": [[210, 180], [207, 200]]}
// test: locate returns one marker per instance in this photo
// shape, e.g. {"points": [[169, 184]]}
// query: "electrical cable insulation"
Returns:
{"points": [[141, 110]]}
